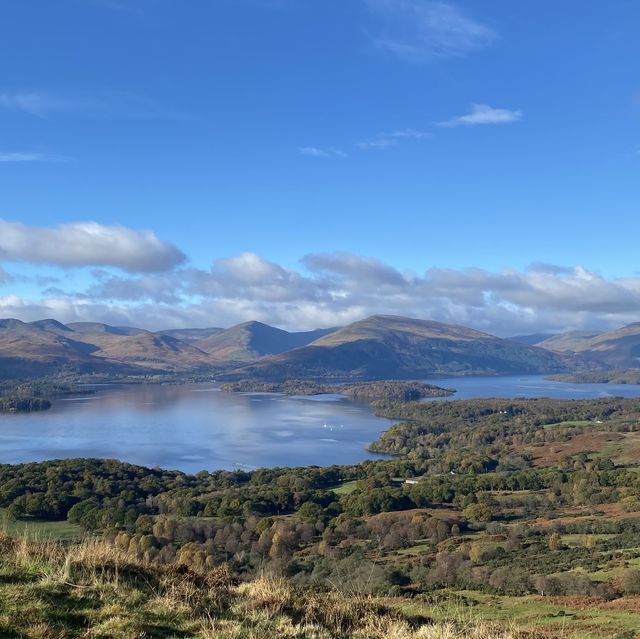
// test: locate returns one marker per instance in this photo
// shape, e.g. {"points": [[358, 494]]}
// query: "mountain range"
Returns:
{"points": [[617, 349], [379, 347]]}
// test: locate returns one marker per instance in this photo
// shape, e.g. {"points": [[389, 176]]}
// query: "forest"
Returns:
{"points": [[479, 498]]}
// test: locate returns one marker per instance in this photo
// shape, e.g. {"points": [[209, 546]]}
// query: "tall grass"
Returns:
{"points": [[94, 589]]}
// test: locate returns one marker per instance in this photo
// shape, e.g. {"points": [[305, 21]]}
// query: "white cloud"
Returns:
{"points": [[6, 156], [35, 103], [483, 114], [419, 30], [87, 244], [315, 152], [336, 288], [386, 140], [101, 104]]}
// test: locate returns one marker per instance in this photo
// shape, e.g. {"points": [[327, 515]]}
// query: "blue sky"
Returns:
{"points": [[451, 145]]}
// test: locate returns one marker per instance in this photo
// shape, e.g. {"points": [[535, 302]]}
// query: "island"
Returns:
{"points": [[613, 376], [392, 390]]}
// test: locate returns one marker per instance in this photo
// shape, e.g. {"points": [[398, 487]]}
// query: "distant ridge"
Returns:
{"points": [[387, 346], [532, 340], [251, 340], [617, 349], [572, 341], [379, 347]]}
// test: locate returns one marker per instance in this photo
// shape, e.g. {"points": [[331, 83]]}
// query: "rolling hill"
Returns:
{"points": [[617, 349], [572, 341], [533, 339], [385, 346], [191, 335], [380, 347], [252, 340], [48, 347], [145, 350], [44, 348]]}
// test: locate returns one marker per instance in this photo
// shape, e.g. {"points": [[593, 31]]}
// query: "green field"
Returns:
{"points": [[345, 488], [531, 613], [576, 424], [35, 530]]}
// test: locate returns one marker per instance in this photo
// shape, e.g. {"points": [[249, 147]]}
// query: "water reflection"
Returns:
{"points": [[195, 427]]}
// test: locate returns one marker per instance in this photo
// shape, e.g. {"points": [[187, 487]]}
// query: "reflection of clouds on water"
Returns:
{"points": [[328, 397], [192, 427]]}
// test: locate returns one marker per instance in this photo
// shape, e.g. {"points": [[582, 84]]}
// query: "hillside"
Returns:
{"points": [[191, 335], [48, 347], [532, 340], [385, 346], [251, 340], [93, 589], [29, 350], [572, 341], [146, 350], [617, 349], [93, 328]]}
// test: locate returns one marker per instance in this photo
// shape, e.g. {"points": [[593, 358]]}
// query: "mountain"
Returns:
{"points": [[48, 347], [93, 328], [532, 340], [43, 348], [145, 350], [572, 341], [613, 349], [191, 335], [252, 340], [386, 346]]}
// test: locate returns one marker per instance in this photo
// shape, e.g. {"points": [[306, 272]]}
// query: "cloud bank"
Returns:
{"points": [[87, 244], [331, 289]]}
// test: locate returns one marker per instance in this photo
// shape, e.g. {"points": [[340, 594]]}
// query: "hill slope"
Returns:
{"points": [[146, 350], [95, 590], [533, 339], [47, 347], [613, 349], [251, 340], [29, 350], [572, 341], [191, 335], [385, 346]]}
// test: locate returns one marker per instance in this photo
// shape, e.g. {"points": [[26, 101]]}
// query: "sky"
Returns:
{"points": [[307, 163]]}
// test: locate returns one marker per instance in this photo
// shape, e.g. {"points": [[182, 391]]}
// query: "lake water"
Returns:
{"points": [[196, 427], [530, 386]]}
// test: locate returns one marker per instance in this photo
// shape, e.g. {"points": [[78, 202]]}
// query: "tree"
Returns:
{"points": [[630, 583], [478, 512]]}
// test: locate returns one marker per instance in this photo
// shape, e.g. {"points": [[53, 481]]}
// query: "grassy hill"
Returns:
{"points": [[617, 349], [94, 590], [251, 340], [380, 347], [146, 350], [29, 350], [48, 347], [572, 341], [532, 340], [191, 335], [385, 346]]}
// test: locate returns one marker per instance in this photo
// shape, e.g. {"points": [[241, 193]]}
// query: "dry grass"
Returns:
{"points": [[95, 590]]}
